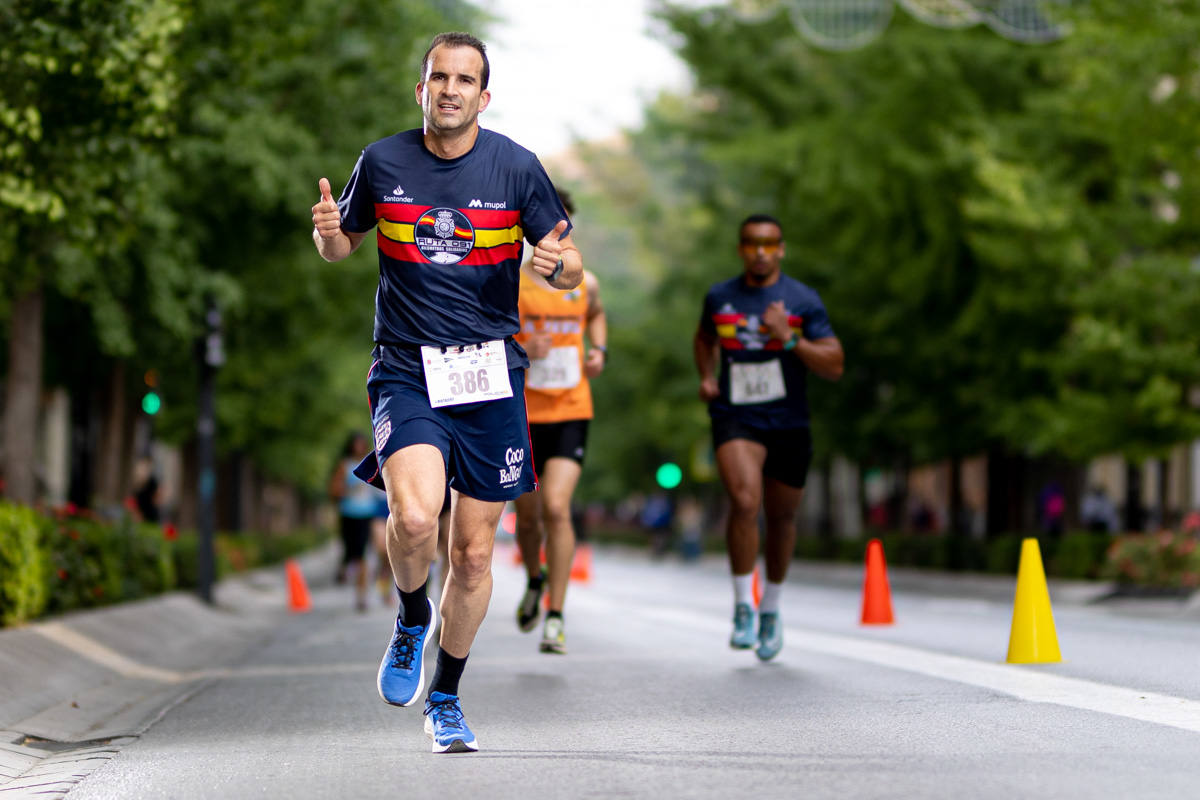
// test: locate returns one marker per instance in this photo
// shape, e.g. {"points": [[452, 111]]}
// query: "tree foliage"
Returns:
{"points": [[986, 221]]}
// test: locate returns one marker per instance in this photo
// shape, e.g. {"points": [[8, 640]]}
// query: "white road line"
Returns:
{"points": [[1020, 682], [105, 656]]}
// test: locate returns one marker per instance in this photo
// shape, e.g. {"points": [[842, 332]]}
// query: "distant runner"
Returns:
{"points": [[768, 331]]}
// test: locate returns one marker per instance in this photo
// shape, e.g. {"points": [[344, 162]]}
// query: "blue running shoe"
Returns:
{"points": [[743, 627], [444, 724], [770, 635], [402, 673]]}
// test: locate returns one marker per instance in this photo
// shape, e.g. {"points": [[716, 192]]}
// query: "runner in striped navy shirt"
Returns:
{"points": [[767, 331], [451, 205]]}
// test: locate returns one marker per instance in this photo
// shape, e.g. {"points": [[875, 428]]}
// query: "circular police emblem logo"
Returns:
{"points": [[444, 235]]}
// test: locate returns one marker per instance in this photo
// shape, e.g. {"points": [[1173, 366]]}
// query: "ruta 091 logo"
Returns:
{"points": [[444, 235]]}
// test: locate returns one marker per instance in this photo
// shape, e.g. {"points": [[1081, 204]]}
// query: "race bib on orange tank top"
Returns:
{"points": [[556, 389]]}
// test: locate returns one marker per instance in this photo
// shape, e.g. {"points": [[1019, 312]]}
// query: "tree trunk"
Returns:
{"points": [[110, 459], [22, 394]]}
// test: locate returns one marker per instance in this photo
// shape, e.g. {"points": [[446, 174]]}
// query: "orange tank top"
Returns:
{"points": [[556, 388]]}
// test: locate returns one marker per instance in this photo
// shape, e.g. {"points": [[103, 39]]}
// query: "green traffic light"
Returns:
{"points": [[669, 475], [151, 403]]}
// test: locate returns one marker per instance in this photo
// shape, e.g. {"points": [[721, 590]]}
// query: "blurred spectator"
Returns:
{"points": [[357, 504], [657, 515], [1051, 505], [691, 528], [1097, 511], [148, 495]]}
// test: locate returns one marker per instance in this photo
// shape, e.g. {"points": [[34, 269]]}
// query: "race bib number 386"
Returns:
{"points": [[466, 374], [759, 382]]}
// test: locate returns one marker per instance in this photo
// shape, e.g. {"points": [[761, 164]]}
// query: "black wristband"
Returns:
{"points": [[553, 276]]}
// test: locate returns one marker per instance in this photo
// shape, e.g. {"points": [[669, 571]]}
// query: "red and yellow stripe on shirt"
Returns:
{"points": [[498, 234], [733, 330]]}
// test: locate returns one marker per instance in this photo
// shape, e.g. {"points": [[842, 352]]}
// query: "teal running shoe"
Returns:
{"points": [[770, 635], [743, 627], [402, 671], [444, 724]]}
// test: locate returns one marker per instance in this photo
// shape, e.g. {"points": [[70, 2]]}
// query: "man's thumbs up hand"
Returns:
{"points": [[549, 250], [326, 217]]}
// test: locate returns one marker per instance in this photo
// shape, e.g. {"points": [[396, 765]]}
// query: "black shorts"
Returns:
{"points": [[558, 440], [355, 532], [789, 450]]}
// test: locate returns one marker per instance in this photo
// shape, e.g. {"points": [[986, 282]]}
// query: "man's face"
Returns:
{"points": [[761, 248], [452, 95]]}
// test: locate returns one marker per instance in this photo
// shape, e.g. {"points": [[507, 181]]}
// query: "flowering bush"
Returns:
{"points": [[1167, 559]]}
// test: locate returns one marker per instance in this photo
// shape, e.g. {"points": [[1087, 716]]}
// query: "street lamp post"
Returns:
{"points": [[211, 357]]}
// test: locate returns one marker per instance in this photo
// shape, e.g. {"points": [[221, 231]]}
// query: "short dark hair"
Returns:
{"points": [[754, 219], [564, 197], [459, 39]]}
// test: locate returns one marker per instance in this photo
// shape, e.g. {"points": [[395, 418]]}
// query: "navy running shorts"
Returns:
{"points": [[558, 440], [789, 450], [485, 446]]}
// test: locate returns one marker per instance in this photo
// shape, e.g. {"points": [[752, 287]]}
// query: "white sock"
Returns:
{"points": [[743, 589], [770, 598]]}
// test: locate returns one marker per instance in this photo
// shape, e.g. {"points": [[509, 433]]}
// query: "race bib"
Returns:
{"points": [[756, 382], [466, 373], [558, 370]]}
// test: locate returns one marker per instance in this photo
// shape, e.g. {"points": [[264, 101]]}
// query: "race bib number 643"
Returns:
{"points": [[759, 382]]}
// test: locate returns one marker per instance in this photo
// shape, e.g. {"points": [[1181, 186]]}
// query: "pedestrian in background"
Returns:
{"points": [[356, 503]]}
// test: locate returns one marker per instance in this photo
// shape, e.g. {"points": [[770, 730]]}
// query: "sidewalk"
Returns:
{"points": [[111, 672]]}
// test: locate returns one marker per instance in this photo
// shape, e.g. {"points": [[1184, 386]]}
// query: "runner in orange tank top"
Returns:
{"points": [[558, 400]]}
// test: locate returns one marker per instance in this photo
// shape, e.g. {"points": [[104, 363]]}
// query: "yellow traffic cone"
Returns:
{"points": [[1032, 639]]}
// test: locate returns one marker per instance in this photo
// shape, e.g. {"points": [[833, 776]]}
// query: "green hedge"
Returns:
{"points": [[1076, 554], [23, 588], [70, 559]]}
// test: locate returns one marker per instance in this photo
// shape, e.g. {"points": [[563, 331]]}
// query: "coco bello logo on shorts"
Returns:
{"points": [[515, 459]]}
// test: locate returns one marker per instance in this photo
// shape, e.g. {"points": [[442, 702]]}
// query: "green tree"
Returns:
{"points": [[86, 89]]}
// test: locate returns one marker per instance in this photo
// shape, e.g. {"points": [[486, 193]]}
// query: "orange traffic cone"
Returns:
{"points": [[756, 588], [298, 599], [581, 565], [877, 597]]}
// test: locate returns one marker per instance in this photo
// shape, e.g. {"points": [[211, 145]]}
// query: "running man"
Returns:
{"points": [[451, 203], [558, 400], [769, 331]]}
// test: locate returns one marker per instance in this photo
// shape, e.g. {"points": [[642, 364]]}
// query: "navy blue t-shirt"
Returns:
{"points": [[449, 235], [763, 394]]}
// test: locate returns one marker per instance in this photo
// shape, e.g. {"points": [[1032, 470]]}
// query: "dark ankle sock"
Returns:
{"points": [[554, 614], [449, 670], [536, 583], [414, 607]]}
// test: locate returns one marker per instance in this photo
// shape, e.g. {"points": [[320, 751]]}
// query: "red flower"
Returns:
{"points": [[62, 574], [169, 532]]}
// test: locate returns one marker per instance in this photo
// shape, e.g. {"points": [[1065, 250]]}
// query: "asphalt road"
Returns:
{"points": [[651, 702]]}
